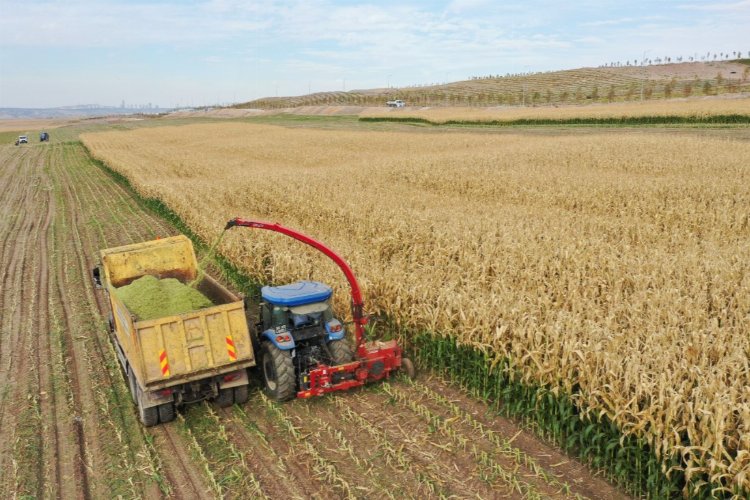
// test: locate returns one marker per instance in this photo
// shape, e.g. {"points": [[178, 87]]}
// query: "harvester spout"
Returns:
{"points": [[360, 320]]}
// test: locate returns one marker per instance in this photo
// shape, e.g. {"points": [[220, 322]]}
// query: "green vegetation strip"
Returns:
{"points": [[733, 119], [628, 460]]}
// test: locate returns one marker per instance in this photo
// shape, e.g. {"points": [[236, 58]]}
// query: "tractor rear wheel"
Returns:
{"points": [[341, 350], [278, 372]]}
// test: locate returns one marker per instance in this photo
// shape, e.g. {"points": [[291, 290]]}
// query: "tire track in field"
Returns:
{"points": [[173, 462], [100, 362], [184, 481], [263, 458], [84, 461], [18, 376], [17, 202], [50, 472]]}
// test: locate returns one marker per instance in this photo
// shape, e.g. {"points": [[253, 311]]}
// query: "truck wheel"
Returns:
{"points": [[341, 351], [225, 398], [278, 372], [149, 416], [166, 412], [241, 394], [132, 383]]}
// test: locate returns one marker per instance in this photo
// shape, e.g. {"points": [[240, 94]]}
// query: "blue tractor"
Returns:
{"points": [[298, 332]]}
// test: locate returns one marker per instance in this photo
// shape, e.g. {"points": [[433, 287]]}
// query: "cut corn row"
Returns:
{"points": [[555, 257], [248, 424], [198, 452], [502, 444], [322, 467], [345, 445], [394, 457], [225, 459], [510, 477]]}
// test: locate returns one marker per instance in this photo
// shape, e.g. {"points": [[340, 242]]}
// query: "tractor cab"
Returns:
{"points": [[299, 332], [298, 306]]}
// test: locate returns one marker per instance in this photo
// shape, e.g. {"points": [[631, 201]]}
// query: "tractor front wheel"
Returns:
{"points": [[341, 351], [278, 372]]}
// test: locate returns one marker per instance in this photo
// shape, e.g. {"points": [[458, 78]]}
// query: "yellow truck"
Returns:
{"points": [[172, 359]]}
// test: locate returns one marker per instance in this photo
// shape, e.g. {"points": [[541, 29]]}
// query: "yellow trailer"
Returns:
{"points": [[176, 359]]}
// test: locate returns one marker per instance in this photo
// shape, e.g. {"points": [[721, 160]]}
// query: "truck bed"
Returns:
{"points": [[182, 348]]}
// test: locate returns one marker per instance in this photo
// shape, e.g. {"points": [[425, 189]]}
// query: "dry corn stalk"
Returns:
{"points": [[617, 264]]}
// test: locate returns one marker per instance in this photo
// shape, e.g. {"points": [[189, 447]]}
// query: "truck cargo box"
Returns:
{"points": [[175, 350]]}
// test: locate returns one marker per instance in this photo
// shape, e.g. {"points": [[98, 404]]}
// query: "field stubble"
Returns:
{"points": [[613, 268]]}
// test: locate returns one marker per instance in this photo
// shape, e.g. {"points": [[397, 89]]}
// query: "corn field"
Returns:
{"points": [[611, 268], [695, 109]]}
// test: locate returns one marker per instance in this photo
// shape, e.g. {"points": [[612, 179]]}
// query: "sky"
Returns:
{"points": [[189, 53]]}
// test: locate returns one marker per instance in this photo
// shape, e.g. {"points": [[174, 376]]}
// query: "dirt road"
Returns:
{"points": [[68, 427]]}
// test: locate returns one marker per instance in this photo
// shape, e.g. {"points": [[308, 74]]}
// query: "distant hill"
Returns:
{"points": [[74, 112], [575, 86]]}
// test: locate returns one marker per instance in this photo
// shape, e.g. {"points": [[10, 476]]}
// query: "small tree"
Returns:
{"points": [[687, 90], [707, 88], [611, 93]]}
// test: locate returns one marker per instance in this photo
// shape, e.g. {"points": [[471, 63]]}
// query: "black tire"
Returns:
{"points": [[132, 384], [166, 412], [241, 394], [149, 416], [111, 321], [341, 350], [408, 368], [225, 399], [278, 372]]}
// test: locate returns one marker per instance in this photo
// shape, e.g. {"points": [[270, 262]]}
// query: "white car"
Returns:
{"points": [[398, 103], [22, 139]]}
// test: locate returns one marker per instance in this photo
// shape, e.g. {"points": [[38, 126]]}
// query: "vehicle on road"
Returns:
{"points": [[22, 139], [398, 103], [43, 137]]}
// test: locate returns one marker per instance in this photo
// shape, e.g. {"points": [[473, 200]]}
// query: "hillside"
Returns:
{"points": [[575, 86]]}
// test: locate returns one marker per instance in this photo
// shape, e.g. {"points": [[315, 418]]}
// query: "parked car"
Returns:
{"points": [[43, 136], [398, 103], [22, 139]]}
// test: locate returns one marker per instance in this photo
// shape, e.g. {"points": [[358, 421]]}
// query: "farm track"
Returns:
{"points": [[68, 428]]}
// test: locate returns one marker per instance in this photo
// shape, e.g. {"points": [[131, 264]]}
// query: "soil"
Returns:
{"points": [[69, 428]]}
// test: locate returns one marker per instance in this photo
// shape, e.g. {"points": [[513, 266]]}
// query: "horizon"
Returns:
{"points": [[204, 53]]}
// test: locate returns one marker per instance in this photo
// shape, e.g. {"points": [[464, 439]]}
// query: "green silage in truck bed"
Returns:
{"points": [[149, 297]]}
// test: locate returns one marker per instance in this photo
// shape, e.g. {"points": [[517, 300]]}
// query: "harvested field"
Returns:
{"points": [[610, 268], [69, 429]]}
